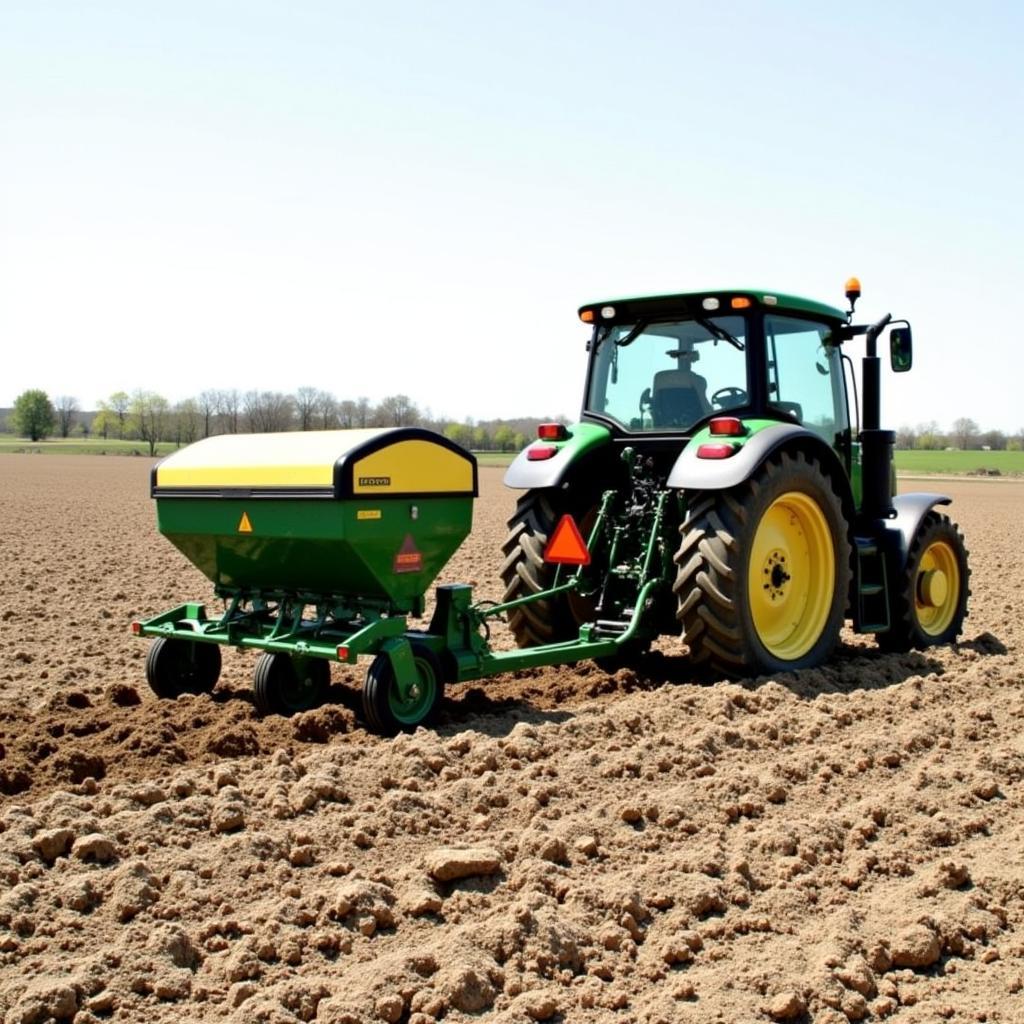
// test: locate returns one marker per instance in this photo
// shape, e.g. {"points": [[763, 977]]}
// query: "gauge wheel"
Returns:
{"points": [[386, 710], [175, 666], [286, 685]]}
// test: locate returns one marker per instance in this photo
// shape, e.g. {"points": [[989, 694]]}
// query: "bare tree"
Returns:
{"points": [[188, 421], [362, 412], [208, 405], [396, 411], [229, 405], [906, 437], [965, 430], [994, 440], [65, 406], [347, 413], [327, 410], [306, 402], [267, 412]]}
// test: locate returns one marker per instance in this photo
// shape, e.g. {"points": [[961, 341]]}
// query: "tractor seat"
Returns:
{"points": [[679, 398]]}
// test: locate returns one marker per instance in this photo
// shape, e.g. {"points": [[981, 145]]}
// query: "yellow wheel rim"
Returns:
{"points": [[792, 576], [936, 588]]}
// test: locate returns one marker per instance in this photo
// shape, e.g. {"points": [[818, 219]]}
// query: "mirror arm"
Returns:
{"points": [[873, 332]]}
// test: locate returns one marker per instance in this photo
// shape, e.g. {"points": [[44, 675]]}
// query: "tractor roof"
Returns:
{"points": [[693, 302]]}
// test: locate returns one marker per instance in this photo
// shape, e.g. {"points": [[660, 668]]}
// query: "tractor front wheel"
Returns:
{"points": [[763, 570], [929, 604], [386, 709], [283, 685], [175, 666]]}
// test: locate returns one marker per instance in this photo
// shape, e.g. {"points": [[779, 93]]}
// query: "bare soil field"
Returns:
{"points": [[838, 845]]}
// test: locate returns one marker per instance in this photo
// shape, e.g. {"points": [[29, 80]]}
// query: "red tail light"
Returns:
{"points": [[715, 451], [540, 452], [342, 652], [552, 432], [136, 628], [727, 426]]}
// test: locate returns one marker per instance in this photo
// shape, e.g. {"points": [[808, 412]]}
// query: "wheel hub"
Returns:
{"points": [[791, 575], [774, 575], [932, 588]]}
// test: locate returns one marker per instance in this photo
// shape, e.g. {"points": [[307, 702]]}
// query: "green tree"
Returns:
{"points": [[150, 417], [503, 437], [460, 433], [33, 415], [105, 421], [928, 437], [120, 403]]}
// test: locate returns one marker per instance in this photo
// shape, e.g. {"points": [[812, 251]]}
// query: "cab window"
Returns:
{"points": [[805, 377], [669, 375]]}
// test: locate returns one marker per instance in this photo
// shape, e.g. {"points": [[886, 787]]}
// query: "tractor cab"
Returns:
{"points": [[670, 364]]}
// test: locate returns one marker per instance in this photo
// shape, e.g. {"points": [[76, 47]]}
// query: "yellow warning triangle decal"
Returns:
{"points": [[244, 526], [567, 546]]}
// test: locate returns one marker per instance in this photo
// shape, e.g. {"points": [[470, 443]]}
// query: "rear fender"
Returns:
{"points": [[527, 474], [693, 473], [899, 531]]}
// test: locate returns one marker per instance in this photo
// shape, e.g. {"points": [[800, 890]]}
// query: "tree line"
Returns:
{"points": [[149, 417], [965, 435]]}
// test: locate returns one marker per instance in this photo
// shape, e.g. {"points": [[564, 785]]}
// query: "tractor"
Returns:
{"points": [[715, 489], [727, 416]]}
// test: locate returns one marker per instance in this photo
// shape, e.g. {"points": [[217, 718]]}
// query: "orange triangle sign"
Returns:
{"points": [[244, 525], [567, 546]]}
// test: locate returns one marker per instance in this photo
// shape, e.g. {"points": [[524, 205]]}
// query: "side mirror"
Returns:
{"points": [[901, 351]]}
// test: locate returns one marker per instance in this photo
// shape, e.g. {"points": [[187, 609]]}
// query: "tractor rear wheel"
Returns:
{"points": [[175, 666], [929, 604], [525, 572], [283, 685], [385, 709], [764, 570]]}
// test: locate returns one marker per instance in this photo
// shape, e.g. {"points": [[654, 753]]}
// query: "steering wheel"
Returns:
{"points": [[729, 398]]}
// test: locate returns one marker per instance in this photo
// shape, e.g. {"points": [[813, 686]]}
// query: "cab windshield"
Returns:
{"points": [[669, 374]]}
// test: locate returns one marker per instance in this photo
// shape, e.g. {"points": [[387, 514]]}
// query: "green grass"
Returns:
{"points": [[494, 458], [79, 446], [957, 462]]}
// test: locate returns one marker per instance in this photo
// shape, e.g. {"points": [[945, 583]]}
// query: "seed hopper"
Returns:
{"points": [[321, 547]]}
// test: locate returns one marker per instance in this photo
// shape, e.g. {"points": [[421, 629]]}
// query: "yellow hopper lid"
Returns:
{"points": [[380, 462]]}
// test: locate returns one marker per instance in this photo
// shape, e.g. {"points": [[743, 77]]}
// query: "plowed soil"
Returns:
{"points": [[568, 845]]}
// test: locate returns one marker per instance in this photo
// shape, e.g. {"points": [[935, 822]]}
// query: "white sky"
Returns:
{"points": [[408, 198]]}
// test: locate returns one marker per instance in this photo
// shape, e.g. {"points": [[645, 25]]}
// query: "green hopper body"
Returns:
{"points": [[357, 516]]}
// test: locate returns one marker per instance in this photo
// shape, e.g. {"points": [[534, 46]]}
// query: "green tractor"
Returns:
{"points": [[715, 489], [719, 465]]}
